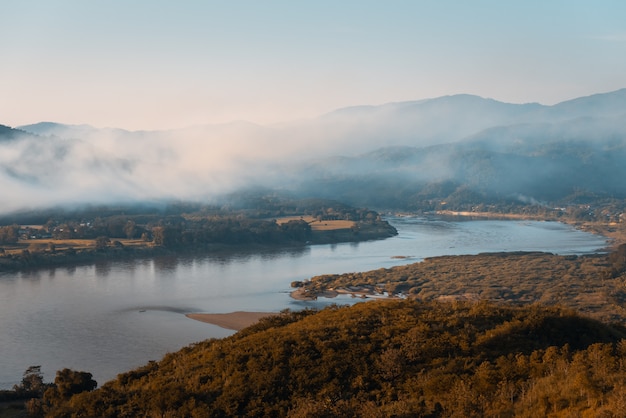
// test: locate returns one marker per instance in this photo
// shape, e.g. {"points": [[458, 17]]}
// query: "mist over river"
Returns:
{"points": [[110, 317]]}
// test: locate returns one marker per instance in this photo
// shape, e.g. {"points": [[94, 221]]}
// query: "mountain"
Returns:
{"points": [[448, 119], [426, 122], [612, 104], [58, 129], [525, 153], [521, 163], [360, 129], [394, 155], [7, 133]]}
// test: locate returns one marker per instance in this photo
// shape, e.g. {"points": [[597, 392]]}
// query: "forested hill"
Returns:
{"points": [[522, 163], [379, 359], [7, 133]]}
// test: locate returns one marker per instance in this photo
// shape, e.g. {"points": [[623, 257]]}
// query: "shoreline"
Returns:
{"points": [[614, 235], [45, 259]]}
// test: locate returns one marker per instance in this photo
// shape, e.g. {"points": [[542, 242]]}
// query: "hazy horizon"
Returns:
{"points": [[287, 122], [176, 75], [160, 65]]}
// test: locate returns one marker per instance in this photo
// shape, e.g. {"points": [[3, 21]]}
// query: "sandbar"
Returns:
{"points": [[233, 320]]}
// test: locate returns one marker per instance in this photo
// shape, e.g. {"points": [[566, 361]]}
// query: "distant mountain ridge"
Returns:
{"points": [[415, 123], [428, 121], [527, 153], [8, 133], [453, 118]]}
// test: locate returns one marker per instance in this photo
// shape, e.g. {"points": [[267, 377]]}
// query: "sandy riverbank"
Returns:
{"points": [[233, 320]]}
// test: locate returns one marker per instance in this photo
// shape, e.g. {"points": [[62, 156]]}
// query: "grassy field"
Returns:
{"points": [[318, 225], [41, 245]]}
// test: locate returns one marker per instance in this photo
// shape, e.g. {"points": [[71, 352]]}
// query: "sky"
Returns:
{"points": [[153, 64]]}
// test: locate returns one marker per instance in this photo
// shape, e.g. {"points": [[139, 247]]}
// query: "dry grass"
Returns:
{"points": [[580, 283], [318, 225], [41, 245], [331, 225]]}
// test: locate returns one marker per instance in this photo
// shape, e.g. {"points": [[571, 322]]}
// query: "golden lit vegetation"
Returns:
{"points": [[380, 359], [319, 225]]}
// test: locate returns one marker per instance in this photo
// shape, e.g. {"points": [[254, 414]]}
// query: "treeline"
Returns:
{"points": [[229, 231], [427, 197], [186, 224], [578, 206], [68, 237], [179, 230], [379, 359], [256, 204]]}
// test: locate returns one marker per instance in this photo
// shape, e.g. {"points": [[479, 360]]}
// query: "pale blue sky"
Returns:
{"points": [[166, 64]]}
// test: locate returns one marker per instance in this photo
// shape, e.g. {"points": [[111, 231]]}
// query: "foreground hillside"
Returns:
{"points": [[388, 358]]}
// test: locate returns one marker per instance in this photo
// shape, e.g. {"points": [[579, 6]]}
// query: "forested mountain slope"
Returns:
{"points": [[548, 162]]}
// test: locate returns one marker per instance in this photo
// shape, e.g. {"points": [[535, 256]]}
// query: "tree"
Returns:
{"points": [[618, 261], [9, 234], [102, 243], [130, 229], [166, 236], [298, 230], [66, 384], [32, 382]]}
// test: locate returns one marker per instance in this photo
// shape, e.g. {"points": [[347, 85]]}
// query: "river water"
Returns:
{"points": [[110, 317]]}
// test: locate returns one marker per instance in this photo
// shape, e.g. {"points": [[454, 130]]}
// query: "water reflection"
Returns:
{"points": [[103, 268], [167, 264], [32, 275]]}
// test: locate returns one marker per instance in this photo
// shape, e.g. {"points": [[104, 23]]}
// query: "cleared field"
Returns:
{"points": [[62, 244], [318, 225]]}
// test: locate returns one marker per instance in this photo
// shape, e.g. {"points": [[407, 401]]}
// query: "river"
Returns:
{"points": [[111, 317]]}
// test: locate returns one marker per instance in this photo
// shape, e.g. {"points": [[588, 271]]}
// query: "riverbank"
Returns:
{"points": [[614, 233]]}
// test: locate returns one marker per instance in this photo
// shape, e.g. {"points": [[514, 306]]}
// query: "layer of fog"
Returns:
{"points": [[51, 164], [108, 166]]}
